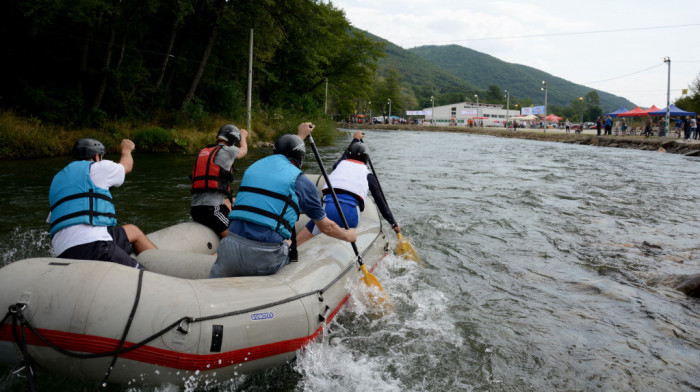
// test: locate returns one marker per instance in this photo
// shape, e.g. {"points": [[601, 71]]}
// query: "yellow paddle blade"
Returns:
{"points": [[370, 280], [379, 297], [405, 249]]}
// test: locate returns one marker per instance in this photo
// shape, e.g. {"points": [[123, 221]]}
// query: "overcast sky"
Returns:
{"points": [[617, 46]]}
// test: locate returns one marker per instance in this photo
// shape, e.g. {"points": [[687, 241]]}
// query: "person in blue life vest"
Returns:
{"points": [[211, 178], [352, 181], [82, 217], [272, 195]]}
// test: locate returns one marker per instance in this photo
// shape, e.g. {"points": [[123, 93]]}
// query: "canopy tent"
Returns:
{"points": [[554, 118], [636, 112], [653, 108], [617, 112], [675, 111]]}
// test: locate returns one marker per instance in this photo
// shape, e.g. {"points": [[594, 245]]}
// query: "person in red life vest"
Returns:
{"points": [[352, 181], [82, 217], [211, 178]]}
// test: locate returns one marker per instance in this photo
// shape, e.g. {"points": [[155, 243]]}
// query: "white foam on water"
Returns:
{"points": [[368, 348]]}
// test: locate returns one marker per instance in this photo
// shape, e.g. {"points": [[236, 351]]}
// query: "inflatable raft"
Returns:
{"points": [[107, 322]]}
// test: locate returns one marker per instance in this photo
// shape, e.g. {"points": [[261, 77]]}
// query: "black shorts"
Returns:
{"points": [[213, 217], [117, 251]]}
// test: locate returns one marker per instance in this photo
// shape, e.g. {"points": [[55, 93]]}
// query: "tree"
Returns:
{"points": [[691, 101], [493, 95]]}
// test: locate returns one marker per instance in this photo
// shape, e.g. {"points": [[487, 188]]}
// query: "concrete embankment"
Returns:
{"points": [[668, 144]]}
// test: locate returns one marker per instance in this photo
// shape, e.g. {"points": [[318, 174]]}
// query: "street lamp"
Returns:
{"points": [[389, 100], [580, 99], [668, 93], [432, 113], [545, 105], [507, 108], [477, 108], [371, 121]]}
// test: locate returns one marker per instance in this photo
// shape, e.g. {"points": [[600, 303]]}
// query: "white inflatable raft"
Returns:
{"points": [[170, 322]]}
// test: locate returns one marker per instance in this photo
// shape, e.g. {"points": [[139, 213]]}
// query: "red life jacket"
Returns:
{"points": [[207, 176]]}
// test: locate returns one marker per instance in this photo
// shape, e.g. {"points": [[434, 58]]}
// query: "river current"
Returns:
{"points": [[545, 267]]}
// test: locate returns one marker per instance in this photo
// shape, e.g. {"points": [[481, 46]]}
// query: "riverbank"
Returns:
{"points": [[30, 138], [669, 144]]}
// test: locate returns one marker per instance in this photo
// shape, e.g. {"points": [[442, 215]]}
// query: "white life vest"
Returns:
{"points": [[351, 175]]}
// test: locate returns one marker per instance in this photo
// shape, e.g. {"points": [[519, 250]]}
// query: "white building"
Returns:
{"points": [[466, 113]]}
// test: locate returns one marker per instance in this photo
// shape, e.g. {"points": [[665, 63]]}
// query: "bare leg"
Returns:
{"points": [[139, 240]]}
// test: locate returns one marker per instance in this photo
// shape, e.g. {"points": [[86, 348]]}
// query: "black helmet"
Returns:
{"points": [[86, 148], [358, 152], [292, 147], [230, 134]]}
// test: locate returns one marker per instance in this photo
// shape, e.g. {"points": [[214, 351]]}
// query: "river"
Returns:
{"points": [[544, 267]]}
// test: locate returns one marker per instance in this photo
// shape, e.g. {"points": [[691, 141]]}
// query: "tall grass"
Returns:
{"points": [[27, 137]]}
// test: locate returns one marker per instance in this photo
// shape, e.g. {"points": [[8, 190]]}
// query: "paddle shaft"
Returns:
{"points": [[335, 198]]}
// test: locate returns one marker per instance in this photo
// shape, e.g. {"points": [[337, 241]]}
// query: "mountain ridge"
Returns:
{"points": [[457, 70]]}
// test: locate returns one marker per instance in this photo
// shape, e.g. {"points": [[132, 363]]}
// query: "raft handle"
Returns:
{"points": [[322, 317], [21, 369], [17, 308], [184, 327]]}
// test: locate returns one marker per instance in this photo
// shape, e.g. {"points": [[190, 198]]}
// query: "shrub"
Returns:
{"points": [[154, 139]]}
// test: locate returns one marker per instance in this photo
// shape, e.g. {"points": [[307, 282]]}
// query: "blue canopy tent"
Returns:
{"points": [[675, 111], [616, 112]]}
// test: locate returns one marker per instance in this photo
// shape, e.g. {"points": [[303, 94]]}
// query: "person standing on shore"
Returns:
{"points": [[608, 125], [694, 128], [678, 123], [568, 126], [662, 127], [647, 127], [598, 125], [624, 127], [686, 128]]}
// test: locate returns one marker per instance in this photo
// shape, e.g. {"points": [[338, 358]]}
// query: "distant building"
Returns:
{"points": [[466, 113]]}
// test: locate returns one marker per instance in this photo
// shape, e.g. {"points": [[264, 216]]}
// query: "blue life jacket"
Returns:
{"points": [[75, 199], [266, 196]]}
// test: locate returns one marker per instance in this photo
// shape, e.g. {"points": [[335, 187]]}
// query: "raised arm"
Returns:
{"points": [[127, 160]]}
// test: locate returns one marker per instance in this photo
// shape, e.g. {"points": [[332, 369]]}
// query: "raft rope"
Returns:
{"points": [[126, 328], [16, 312]]}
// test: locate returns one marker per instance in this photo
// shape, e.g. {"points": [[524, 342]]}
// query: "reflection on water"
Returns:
{"points": [[543, 266]]}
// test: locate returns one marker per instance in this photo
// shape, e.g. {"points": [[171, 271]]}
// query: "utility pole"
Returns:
{"points": [[668, 94], [507, 109], [545, 105], [325, 105], [250, 81]]}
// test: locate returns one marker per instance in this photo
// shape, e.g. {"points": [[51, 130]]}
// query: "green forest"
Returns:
{"points": [[103, 63]]}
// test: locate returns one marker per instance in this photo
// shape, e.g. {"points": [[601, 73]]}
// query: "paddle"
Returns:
{"points": [[403, 248], [370, 280]]}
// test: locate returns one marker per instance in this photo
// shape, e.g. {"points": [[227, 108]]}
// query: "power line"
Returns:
{"points": [[624, 76]]}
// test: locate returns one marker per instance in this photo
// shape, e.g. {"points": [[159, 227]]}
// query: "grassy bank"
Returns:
{"points": [[27, 138]]}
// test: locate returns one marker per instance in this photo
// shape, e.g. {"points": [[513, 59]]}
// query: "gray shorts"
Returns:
{"points": [[238, 256]]}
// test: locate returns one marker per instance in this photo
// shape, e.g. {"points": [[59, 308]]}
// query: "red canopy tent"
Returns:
{"points": [[638, 112], [554, 118], [653, 108]]}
